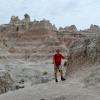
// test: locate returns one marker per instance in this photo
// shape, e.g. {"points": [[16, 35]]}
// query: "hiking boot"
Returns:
{"points": [[63, 79], [56, 80]]}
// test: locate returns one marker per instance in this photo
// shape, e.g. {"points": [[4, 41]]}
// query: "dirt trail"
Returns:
{"points": [[72, 89]]}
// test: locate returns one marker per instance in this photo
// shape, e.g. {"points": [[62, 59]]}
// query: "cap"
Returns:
{"points": [[57, 50]]}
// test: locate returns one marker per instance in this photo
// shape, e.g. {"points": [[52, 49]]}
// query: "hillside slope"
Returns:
{"points": [[72, 89]]}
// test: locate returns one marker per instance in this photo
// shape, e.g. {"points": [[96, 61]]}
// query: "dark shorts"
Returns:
{"points": [[57, 67]]}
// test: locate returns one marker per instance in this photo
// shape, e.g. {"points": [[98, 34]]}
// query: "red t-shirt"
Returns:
{"points": [[57, 58]]}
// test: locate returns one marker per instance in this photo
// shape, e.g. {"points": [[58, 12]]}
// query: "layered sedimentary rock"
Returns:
{"points": [[25, 39], [83, 51], [38, 41]]}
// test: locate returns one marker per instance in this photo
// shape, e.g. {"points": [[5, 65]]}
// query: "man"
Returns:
{"points": [[57, 58]]}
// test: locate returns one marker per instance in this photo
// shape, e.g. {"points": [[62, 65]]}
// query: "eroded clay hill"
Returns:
{"points": [[38, 40], [22, 40]]}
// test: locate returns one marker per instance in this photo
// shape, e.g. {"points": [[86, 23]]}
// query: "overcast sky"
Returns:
{"points": [[82, 13]]}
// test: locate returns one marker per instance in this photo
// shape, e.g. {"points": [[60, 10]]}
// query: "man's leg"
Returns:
{"points": [[55, 71], [62, 78], [61, 72]]}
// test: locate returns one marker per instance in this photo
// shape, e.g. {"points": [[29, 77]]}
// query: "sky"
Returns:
{"points": [[81, 13]]}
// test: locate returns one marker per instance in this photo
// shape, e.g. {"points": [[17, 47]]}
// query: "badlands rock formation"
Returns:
{"points": [[37, 40], [6, 82]]}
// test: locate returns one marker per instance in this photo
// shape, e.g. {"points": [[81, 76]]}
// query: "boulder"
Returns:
{"points": [[5, 81]]}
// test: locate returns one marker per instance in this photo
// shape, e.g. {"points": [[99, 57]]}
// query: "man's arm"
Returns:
{"points": [[53, 60], [62, 56]]}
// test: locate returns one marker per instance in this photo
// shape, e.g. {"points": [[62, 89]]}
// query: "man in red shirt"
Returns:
{"points": [[57, 58]]}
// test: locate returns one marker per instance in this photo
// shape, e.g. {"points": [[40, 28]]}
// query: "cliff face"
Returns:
{"points": [[84, 50], [42, 38], [38, 40]]}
